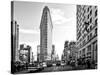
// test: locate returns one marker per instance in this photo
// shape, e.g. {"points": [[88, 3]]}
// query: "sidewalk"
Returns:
{"points": [[80, 67], [21, 72]]}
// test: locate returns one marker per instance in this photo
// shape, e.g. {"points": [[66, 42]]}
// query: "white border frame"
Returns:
{"points": [[5, 39]]}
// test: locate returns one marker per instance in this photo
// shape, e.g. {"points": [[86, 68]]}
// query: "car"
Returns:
{"points": [[44, 64], [54, 64], [40, 67], [58, 64], [32, 69], [62, 64], [49, 64]]}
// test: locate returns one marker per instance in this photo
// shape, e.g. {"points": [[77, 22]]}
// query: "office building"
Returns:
{"points": [[87, 32], [46, 35], [38, 53], [25, 53], [15, 41]]}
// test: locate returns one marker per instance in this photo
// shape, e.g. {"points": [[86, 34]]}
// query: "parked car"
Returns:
{"points": [[44, 64], [49, 63], [54, 64], [40, 67], [62, 64]]}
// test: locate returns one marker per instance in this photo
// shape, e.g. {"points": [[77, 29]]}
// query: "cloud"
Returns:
{"points": [[28, 31], [58, 16]]}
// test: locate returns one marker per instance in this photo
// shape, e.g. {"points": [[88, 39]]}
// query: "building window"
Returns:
{"points": [[88, 9], [80, 52], [80, 45], [96, 47], [90, 6], [95, 13], [89, 48], [45, 13], [95, 6], [83, 52], [88, 16], [96, 22], [84, 42], [96, 31], [90, 35], [95, 51], [91, 20], [91, 12], [90, 28]]}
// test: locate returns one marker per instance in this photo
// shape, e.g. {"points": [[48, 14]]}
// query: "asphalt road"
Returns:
{"points": [[47, 69], [52, 69], [57, 68]]}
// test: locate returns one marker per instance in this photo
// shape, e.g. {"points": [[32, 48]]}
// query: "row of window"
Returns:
{"points": [[44, 45], [89, 29], [93, 47], [89, 7], [79, 18], [89, 37], [91, 14]]}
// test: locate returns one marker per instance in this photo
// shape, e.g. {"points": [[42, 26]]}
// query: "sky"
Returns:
{"points": [[28, 16]]}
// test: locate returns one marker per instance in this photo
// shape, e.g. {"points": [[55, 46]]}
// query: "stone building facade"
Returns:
{"points": [[87, 32], [46, 35]]}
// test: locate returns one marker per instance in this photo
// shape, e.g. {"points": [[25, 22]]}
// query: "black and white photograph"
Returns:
{"points": [[53, 37]]}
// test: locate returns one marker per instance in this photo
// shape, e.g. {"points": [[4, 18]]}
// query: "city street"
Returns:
{"points": [[53, 69], [47, 69], [57, 68]]}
